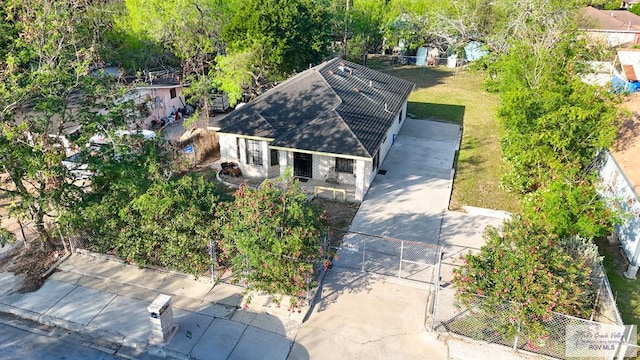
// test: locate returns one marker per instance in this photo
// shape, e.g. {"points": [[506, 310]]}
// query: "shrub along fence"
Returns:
{"points": [[479, 321]]}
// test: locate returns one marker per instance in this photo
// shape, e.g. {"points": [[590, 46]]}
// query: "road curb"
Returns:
{"points": [[125, 347]]}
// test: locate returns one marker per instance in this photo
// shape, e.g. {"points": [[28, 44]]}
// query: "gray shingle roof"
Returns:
{"points": [[336, 107]]}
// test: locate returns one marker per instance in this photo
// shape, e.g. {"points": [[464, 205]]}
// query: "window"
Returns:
{"points": [[274, 158], [254, 153], [344, 165], [400, 116], [172, 92]]}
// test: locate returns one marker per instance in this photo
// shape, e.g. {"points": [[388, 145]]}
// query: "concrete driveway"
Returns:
{"points": [[361, 315], [409, 200]]}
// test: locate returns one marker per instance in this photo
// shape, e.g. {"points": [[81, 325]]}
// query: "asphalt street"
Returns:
{"points": [[20, 344], [22, 339]]}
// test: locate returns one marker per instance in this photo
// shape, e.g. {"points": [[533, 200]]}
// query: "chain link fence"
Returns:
{"points": [[78, 242], [387, 256], [320, 265], [490, 322], [605, 309]]}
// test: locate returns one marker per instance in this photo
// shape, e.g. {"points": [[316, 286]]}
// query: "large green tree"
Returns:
{"points": [[190, 30], [278, 37], [43, 83], [553, 126]]}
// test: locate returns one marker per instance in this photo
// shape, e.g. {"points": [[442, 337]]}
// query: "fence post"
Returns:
{"points": [[437, 288], [401, 253], [595, 304], [308, 296], [325, 246], [212, 252], [624, 342], [515, 340], [66, 250]]}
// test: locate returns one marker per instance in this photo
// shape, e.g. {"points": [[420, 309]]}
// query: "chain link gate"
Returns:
{"points": [[383, 255]]}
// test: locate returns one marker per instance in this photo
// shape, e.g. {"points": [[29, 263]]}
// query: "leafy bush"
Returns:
{"points": [[169, 224], [566, 210], [526, 270], [270, 238]]}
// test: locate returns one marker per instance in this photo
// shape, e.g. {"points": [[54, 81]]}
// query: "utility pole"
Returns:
{"points": [[346, 30]]}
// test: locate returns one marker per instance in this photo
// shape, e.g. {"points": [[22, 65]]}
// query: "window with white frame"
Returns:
{"points": [[344, 165], [254, 152], [274, 158]]}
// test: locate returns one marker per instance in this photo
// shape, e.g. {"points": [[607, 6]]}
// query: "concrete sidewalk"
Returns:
{"points": [[106, 298]]}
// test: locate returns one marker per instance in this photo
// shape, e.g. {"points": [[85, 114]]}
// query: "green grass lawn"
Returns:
{"points": [[626, 291], [457, 96]]}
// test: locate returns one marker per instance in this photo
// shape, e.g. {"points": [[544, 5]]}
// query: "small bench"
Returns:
{"points": [[317, 189]]}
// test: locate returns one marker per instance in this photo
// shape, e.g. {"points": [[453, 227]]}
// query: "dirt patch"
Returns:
{"points": [[613, 254], [30, 262], [341, 214]]}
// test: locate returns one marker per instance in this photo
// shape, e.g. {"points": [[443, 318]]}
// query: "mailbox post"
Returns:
{"points": [[161, 316]]}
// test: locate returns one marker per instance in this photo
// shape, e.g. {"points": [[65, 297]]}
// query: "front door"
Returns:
{"points": [[303, 165]]}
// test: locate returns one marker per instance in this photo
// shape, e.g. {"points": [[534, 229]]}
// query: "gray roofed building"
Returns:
{"points": [[335, 121], [336, 107]]}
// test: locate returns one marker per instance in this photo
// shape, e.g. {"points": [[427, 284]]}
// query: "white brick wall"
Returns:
{"points": [[255, 171], [229, 152], [363, 177], [228, 147], [393, 131], [322, 165]]}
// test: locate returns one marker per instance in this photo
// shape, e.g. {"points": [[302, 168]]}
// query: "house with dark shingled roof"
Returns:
{"points": [[335, 121]]}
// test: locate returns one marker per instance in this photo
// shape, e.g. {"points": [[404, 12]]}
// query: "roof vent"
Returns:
{"points": [[357, 89], [370, 83], [346, 69]]}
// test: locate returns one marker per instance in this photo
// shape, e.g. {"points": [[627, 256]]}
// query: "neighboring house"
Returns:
{"points": [[156, 102], [335, 122], [628, 4], [620, 174], [626, 71], [611, 27]]}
